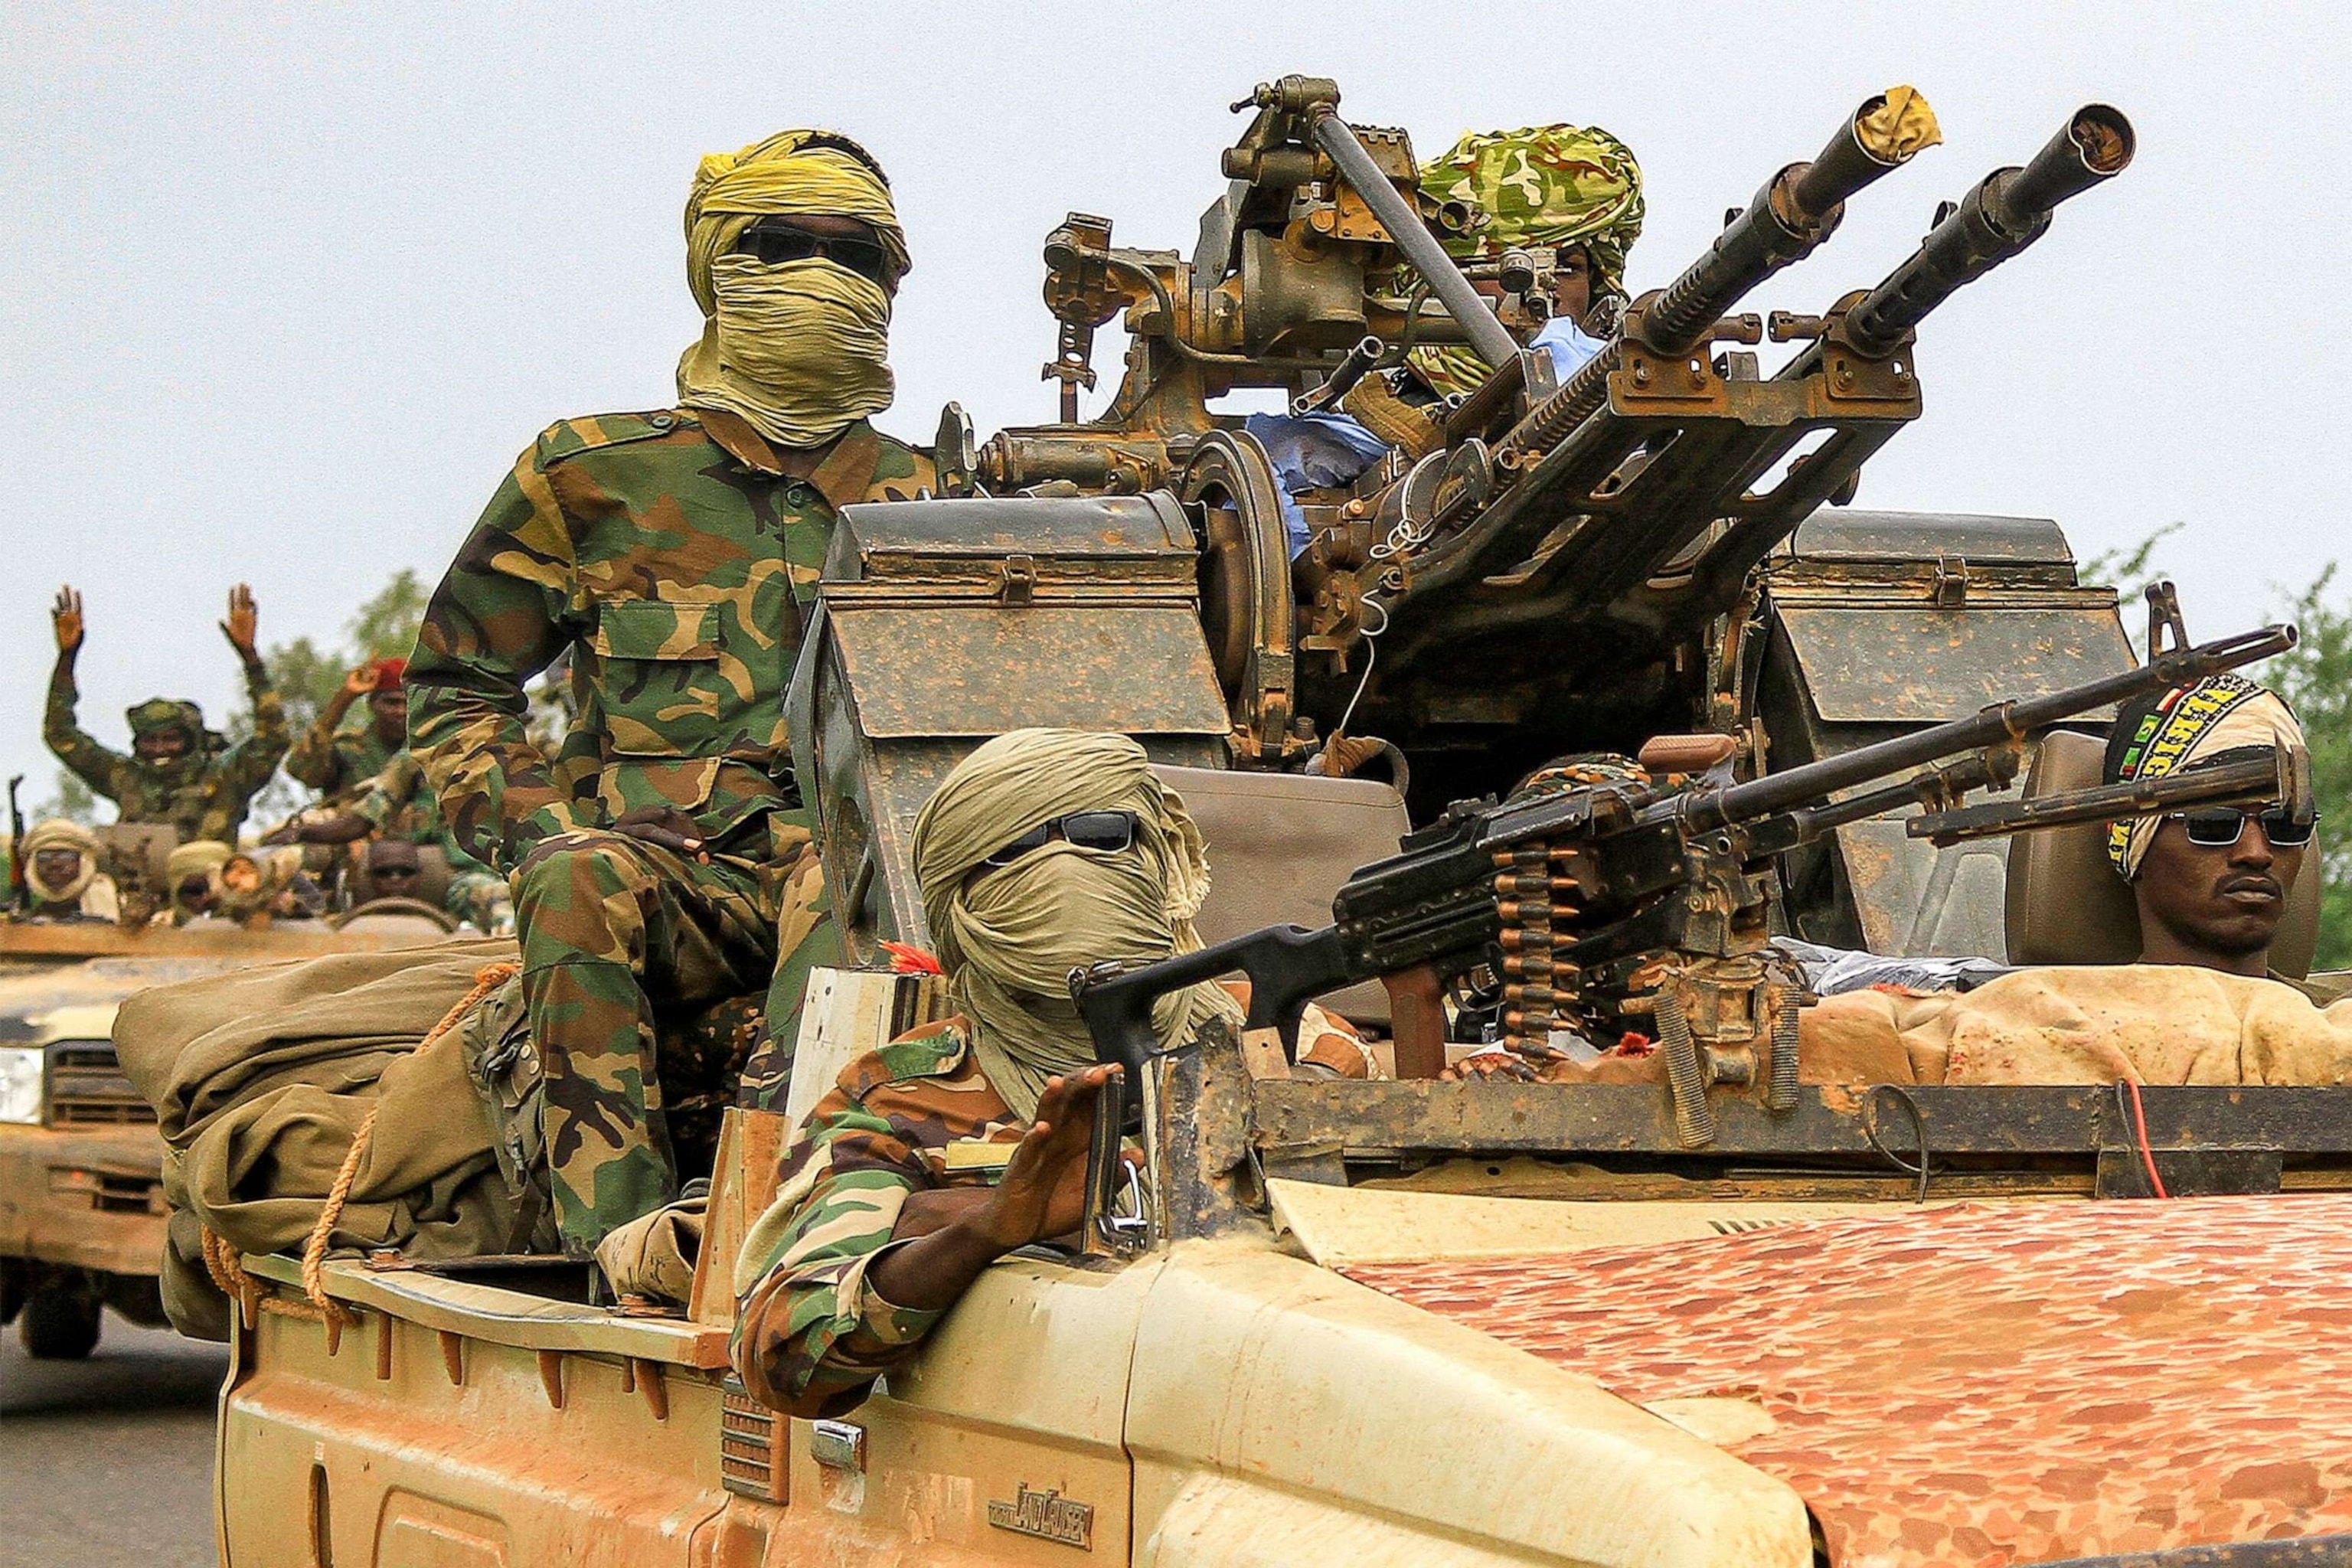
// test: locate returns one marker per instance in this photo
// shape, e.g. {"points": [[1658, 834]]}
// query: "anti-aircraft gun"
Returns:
{"points": [[1638, 899], [1536, 564]]}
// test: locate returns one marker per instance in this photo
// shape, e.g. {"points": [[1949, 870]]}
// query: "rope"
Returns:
{"points": [[227, 1269], [2140, 1133]]}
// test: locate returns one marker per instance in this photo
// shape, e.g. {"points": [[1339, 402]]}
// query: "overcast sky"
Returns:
{"points": [[287, 288]]}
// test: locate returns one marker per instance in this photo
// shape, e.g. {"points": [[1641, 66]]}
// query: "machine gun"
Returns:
{"points": [[1542, 564], [1645, 898]]}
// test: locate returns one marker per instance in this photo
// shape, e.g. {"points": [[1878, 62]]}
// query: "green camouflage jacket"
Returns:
{"points": [[204, 793], [673, 553], [338, 764], [396, 804], [810, 1335]]}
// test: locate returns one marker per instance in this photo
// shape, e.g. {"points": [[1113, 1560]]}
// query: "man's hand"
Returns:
{"points": [[1044, 1193], [243, 621], [665, 827], [65, 615], [948, 1240], [360, 682]]}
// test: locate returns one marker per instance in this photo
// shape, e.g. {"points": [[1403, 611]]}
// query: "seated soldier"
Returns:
{"points": [[1044, 851], [258, 886], [396, 805], [62, 881], [1572, 190], [394, 869], [2211, 884]]}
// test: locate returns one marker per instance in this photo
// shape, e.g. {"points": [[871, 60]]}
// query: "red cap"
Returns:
{"points": [[390, 673]]}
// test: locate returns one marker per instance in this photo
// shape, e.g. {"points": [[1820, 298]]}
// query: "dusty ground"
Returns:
{"points": [[107, 1463]]}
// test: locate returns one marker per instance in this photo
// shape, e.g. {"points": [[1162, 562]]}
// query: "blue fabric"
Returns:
{"points": [[1569, 348], [1317, 451], [1312, 452]]}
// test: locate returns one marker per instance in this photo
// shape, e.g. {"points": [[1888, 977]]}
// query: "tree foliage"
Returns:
{"points": [[2315, 678], [307, 674]]}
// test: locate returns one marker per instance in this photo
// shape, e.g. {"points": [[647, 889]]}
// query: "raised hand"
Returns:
{"points": [[1044, 1193], [243, 621], [360, 683], [65, 615]]}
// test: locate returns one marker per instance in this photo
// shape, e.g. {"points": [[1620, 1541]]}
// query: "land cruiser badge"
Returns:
{"points": [[1048, 1515]]}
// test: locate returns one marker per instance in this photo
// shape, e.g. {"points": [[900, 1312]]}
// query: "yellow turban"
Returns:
{"points": [[799, 350], [2183, 729], [1010, 936]]}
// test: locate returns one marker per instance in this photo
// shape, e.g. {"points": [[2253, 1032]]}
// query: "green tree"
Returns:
{"points": [[307, 675], [75, 801], [2315, 678]]}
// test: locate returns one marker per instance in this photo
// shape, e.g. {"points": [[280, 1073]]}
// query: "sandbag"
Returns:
{"points": [[2151, 1023]]}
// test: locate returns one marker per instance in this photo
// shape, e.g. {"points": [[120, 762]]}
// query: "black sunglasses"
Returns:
{"points": [[1110, 831], [2220, 827], [772, 244]]}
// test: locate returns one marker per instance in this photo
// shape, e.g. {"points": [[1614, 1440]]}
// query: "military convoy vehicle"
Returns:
{"points": [[81, 1204], [1735, 1319]]}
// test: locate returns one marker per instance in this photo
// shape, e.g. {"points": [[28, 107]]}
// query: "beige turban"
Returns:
{"points": [[1009, 936], [56, 833], [2185, 727]]}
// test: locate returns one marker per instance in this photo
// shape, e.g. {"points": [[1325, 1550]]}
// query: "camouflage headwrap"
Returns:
{"points": [[1548, 185], [159, 714], [800, 350], [2185, 728], [1010, 936], [1542, 186]]}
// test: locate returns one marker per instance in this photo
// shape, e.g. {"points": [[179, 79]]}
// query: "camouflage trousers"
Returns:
{"points": [[610, 927]]}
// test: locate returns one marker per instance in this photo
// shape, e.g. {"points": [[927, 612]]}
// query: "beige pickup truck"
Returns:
{"points": [[1480, 1323], [82, 1207]]}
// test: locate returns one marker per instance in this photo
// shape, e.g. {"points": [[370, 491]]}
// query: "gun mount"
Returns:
{"points": [[1540, 564]]}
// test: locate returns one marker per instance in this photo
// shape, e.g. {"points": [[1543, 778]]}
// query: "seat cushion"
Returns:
{"points": [[1280, 847]]}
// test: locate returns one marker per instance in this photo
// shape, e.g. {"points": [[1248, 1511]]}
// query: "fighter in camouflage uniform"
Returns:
{"points": [[179, 772], [1575, 189], [663, 854], [965, 1138], [337, 763]]}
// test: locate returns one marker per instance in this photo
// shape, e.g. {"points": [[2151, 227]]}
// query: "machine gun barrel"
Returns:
{"points": [[1797, 208], [2007, 212], [2246, 783], [2002, 723], [1487, 337], [1353, 368]]}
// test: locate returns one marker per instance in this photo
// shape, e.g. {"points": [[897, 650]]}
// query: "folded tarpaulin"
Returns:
{"points": [[262, 1079]]}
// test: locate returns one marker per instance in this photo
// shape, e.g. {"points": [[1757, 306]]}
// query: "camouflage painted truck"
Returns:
{"points": [[1720, 1318], [81, 1204]]}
